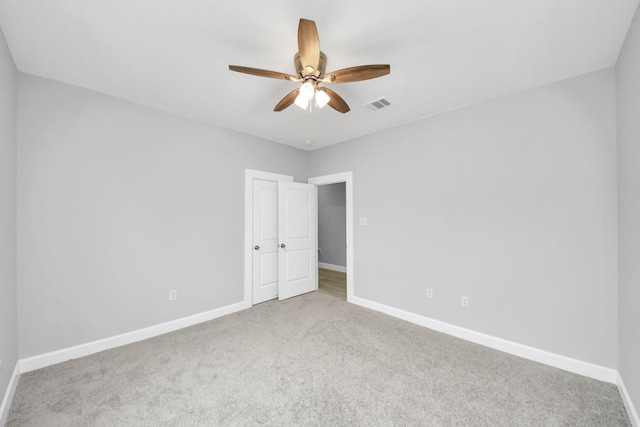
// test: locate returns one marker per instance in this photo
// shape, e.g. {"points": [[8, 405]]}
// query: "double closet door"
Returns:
{"points": [[285, 239]]}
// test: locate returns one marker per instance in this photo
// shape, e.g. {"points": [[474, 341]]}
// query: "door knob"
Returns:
{"points": [[282, 245], [256, 247]]}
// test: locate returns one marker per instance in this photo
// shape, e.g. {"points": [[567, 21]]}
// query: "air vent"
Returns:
{"points": [[378, 104]]}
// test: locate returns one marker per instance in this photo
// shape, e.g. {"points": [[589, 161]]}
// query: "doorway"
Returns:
{"points": [[332, 238], [347, 179]]}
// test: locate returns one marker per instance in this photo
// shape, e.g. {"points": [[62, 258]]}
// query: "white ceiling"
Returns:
{"points": [[174, 55]]}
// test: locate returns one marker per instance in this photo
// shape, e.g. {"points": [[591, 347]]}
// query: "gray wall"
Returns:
{"points": [[8, 318], [628, 96], [511, 202], [332, 228], [118, 204]]}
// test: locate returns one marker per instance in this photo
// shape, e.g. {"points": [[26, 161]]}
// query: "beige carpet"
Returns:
{"points": [[310, 360]]}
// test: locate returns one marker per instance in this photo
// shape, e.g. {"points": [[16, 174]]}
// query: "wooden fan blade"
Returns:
{"points": [[336, 102], [287, 100], [356, 74], [263, 73], [308, 45]]}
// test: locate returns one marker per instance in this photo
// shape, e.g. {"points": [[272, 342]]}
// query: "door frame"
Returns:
{"points": [[347, 178], [249, 176]]}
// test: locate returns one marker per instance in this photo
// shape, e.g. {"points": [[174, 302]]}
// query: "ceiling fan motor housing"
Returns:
{"points": [[302, 69]]}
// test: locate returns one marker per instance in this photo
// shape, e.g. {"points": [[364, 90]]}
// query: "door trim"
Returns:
{"points": [[249, 176], [347, 178]]}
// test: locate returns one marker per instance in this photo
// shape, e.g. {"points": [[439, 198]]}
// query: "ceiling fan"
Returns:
{"points": [[310, 66]]}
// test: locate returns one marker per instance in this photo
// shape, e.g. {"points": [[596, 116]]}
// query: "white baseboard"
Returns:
{"points": [[568, 364], [59, 356], [628, 404], [8, 395], [332, 267]]}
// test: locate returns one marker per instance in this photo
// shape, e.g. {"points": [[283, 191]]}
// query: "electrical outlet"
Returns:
{"points": [[429, 293], [173, 295], [465, 301]]}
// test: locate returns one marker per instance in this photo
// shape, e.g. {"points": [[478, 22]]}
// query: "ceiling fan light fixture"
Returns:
{"points": [[322, 98], [302, 102], [305, 95], [307, 90]]}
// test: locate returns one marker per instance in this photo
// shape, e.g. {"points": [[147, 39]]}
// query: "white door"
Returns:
{"points": [[265, 240], [298, 237]]}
